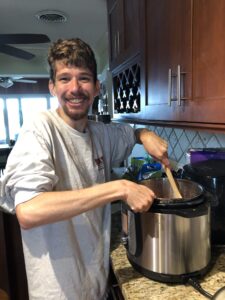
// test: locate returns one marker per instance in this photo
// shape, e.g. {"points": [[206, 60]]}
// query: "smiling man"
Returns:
{"points": [[75, 89], [57, 180]]}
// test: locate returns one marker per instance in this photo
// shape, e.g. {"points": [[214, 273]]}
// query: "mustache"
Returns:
{"points": [[78, 95]]}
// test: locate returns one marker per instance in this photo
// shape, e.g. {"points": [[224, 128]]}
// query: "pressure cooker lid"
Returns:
{"points": [[191, 192], [209, 168]]}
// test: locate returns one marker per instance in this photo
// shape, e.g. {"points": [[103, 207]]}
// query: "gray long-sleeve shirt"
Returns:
{"points": [[69, 259]]}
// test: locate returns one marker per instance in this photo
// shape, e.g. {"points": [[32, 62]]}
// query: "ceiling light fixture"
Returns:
{"points": [[6, 82], [51, 16]]}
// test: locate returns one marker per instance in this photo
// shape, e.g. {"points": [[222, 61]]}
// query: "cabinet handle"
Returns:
{"points": [[169, 86], [178, 86], [118, 42], [115, 45]]}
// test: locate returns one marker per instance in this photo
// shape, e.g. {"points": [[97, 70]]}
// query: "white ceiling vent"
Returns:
{"points": [[51, 16]]}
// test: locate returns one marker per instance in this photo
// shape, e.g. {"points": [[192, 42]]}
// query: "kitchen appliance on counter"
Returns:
{"points": [[211, 175], [202, 154], [170, 242]]}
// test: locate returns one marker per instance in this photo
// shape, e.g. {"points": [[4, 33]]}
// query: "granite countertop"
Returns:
{"points": [[135, 286]]}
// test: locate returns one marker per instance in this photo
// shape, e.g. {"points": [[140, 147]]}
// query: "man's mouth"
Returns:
{"points": [[76, 100]]}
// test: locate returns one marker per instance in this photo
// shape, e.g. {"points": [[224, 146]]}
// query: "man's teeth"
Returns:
{"points": [[75, 100]]}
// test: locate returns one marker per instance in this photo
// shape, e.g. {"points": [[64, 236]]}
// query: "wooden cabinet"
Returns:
{"points": [[185, 61], [208, 89], [123, 24], [4, 276], [13, 278], [168, 58], [182, 63], [116, 31], [124, 41]]}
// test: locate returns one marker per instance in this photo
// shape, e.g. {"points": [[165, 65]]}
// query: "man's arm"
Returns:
{"points": [[153, 144], [50, 207], [55, 206]]}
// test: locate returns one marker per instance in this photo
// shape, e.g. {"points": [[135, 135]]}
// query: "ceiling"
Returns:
{"points": [[86, 19]]}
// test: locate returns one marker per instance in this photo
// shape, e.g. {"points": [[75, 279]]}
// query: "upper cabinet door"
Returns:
{"points": [[116, 30], [168, 57], [209, 61], [131, 27], [123, 24]]}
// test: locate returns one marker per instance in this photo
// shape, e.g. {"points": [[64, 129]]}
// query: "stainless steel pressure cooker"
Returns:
{"points": [[170, 242]]}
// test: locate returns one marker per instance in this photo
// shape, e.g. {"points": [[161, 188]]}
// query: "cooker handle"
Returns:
{"points": [[131, 230], [135, 243], [190, 212]]}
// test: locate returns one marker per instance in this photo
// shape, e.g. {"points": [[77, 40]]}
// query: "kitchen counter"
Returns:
{"points": [[135, 286]]}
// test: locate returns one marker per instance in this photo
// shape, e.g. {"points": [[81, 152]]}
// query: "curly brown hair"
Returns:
{"points": [[73, 52]]}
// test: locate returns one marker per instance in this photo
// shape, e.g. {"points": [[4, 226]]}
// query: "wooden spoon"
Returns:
{"points": [[173, 183]]}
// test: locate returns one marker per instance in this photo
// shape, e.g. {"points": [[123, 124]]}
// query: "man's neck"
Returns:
{"points": [[79, 125]]}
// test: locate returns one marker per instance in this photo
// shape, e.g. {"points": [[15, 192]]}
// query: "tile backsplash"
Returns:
{"points": [[181, 140]]}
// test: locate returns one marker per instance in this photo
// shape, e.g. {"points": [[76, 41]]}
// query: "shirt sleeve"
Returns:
{"points": [[30, 168]]}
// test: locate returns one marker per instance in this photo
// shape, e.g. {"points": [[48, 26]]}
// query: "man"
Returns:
{"points": [[57, 180]]}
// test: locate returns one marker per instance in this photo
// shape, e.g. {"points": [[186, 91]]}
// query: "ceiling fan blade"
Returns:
{"points": [[15, 77], [6, 49], [23, 38], [25, 80]]}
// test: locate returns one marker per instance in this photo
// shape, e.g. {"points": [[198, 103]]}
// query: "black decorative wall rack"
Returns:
{"points": [[126, 90]]}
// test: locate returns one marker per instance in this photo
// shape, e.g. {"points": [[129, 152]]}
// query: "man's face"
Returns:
{"points": [[75, 89]]}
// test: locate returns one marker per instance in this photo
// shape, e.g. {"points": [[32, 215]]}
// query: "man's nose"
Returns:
{"points": [[74, 84]]}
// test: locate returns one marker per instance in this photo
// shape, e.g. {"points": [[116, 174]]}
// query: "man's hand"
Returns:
{"points": [[137, 196], [153, 144]]}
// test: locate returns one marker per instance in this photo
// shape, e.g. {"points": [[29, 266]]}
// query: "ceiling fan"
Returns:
{"points": [[7, 82], [6, 40]]}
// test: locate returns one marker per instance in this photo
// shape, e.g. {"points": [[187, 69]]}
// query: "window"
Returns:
{"points": [[15, 110], [2, 124], [31, 106]]}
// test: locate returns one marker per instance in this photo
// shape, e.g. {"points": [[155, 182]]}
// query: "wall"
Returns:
{"points": [[180, 140]]}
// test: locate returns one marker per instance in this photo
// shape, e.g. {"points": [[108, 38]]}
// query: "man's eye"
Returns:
{"points": [[64, 79], [85, 79]]}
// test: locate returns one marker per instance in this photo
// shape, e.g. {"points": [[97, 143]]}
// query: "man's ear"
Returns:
{"points": [[97, 88], [51, 87]]}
